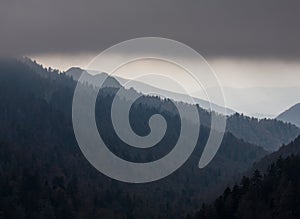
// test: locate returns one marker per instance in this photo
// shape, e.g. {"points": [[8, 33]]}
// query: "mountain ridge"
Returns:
{"points": [[291, 115], [75, 73]]}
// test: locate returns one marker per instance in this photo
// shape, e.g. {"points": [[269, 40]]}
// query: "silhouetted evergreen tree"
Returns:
{"points": [[273, 195]]}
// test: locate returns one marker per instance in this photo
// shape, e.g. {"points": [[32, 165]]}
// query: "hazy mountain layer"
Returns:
{"points": [[145, 88], [291, 115], [260, 102], [268, 133]]}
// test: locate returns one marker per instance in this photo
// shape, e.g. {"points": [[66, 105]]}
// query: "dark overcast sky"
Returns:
{"points": [[256, 28]]}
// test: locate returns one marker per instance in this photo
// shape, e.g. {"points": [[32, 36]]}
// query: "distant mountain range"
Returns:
{"points": [[146, 89], [260, 102], [264, 132], [291, 115]]}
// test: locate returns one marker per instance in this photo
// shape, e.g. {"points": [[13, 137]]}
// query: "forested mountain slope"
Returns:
{"points": [[274, 194], [293, 148], [268, 133], [43, 174]]}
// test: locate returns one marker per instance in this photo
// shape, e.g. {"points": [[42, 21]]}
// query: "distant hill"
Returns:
{"points": [[75, 73], [291, 115]]}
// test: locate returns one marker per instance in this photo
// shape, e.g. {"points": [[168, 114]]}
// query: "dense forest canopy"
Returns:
{"points": [[274, 194]]}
